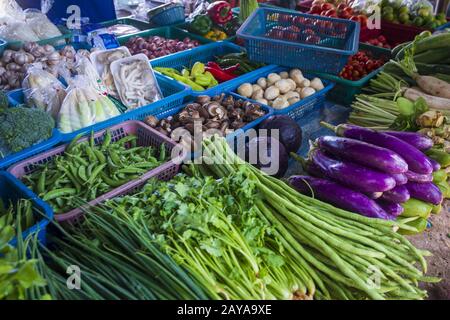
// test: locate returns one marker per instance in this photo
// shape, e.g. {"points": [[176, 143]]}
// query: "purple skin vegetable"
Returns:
{"points": [[419, 141], [351, 174], [339, 196], [399, 194], [363, 153], [415, 177], [416, 160], [400, 179], [427, 192], [393, 209], [375, 195], [436, 165]]}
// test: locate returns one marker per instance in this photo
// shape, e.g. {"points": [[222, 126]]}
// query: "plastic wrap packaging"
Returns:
{"points": [[16, 30], [41, 25], [84, 67], [135, 81], [84, 106], [11, 9], [43, 90], [102, 61]]}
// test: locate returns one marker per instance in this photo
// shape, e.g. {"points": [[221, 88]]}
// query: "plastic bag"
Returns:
{"points": [[84, 67], [16, 30], [83, 107], [43, 90], [135, 81], [41, 25], [102, 60], [11, 9]]}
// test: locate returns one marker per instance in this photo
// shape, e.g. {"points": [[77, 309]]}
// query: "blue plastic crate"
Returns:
{"points": [[173, 92], [167, 17], [205, 53], [443, 27], [12, 190], [333, 42], [296, 111]]}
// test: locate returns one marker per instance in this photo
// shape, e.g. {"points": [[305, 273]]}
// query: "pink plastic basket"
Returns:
{"points": [[146, 137]]}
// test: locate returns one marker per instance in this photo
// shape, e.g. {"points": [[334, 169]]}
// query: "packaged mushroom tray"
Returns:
{"points": [[281, 90], [135, 81], [102, 60]]}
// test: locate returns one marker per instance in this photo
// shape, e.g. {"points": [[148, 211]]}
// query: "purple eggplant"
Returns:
{"points": [[375, 195], [400, 179], [366, 154], [416, 160], [399, 194], [427, 192], [392, 209], [350, 174], [436, 165], [415, 177], [419, 141], [339, 196]]}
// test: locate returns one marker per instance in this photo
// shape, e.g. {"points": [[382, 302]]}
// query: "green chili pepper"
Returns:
{"points": [[442, 157], [416, 208]]}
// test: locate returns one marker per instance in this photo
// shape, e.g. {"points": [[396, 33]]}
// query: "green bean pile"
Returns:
{"points": [[88, 170], [348, 256]]}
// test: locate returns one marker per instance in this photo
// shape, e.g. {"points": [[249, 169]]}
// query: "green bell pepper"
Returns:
{"points": [[201, 24]]}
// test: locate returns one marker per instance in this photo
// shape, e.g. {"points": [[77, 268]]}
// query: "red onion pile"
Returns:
{"points": [[155, 46]]}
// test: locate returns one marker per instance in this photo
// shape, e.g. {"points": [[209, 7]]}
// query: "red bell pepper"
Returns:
{"points": [[220, 12], [229, 70]]}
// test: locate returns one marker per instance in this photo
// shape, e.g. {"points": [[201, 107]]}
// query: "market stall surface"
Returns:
{"points": [[437, 240]]}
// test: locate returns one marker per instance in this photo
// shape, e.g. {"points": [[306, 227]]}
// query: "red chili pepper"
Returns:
{"points": [[220, 75], [229, 70]]}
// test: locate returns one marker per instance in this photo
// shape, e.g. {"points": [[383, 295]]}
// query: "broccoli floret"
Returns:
{"points": [[22, 127]]}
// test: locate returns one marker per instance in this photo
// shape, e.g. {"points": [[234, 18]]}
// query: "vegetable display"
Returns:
{"points": [[281, 90], [88, 170], [155, 46]]}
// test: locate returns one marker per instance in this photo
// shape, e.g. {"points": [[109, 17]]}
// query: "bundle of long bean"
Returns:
{"points": [[117, 259], [341, 251]]}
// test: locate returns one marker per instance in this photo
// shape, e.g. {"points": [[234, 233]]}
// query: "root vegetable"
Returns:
{"points": [[271, 93], [436, 103], [434, 86]]}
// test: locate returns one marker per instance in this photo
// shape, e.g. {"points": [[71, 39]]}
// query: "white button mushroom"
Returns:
{"points": [[306, 92], [292, 83], [258, 94], [280, 103], [245, 90], [262, 82], [283, 85], [271, 93], [284, 75], [272, 78], [305, 83], [317, 84], [263, 101]]}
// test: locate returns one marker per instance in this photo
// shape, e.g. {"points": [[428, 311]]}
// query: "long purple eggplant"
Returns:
{"points": [[399, 194], [416, 160], [419, 141], [391, 208], [350, 174], [363, 153], [436, 165], [400, 179], [375, 195], [339, 196], [427, 192], [415, 177]]}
